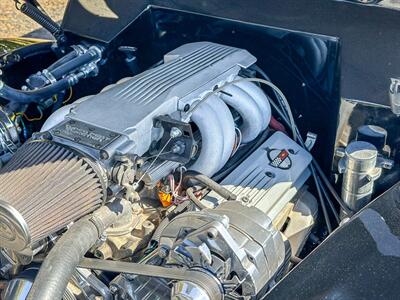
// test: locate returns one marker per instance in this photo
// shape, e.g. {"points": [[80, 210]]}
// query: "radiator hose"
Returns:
{"points": [[64, 257]]}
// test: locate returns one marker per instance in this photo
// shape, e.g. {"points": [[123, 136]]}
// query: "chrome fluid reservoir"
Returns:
{"points": [[360, 170], [394, 95]]}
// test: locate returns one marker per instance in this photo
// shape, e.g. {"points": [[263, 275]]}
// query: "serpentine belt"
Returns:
{"points": [[209, 284]]}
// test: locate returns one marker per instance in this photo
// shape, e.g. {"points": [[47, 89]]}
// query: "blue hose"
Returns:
{"points": [[35, 96]]}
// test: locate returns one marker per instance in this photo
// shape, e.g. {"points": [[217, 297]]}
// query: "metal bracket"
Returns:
{"points": [[179, 137], [205, 281], [310, 140], [394, 95]]}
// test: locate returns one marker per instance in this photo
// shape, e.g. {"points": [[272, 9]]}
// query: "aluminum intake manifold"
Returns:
{"points": [[120, 119]]}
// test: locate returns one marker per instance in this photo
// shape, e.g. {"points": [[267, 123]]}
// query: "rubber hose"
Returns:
{"points": [[74, 64], [26, 97], [61, 262], [26, 52], [193, 198], [207, 181], [241, 155], [157, 233], [66, 58]]}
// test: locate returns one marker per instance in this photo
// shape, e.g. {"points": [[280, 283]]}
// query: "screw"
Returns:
{"points": [[212, 233], [175, 132], [104, 154], [270, 174], [47, 136], [113, 289], [245, 199], [163, 252]]}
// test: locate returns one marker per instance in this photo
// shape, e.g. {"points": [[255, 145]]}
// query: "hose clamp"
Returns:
{"points": [[49, 76], [98, 223], [79, 49]]}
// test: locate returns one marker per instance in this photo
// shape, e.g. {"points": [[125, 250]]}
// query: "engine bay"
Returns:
{"points": [[183, 163]]}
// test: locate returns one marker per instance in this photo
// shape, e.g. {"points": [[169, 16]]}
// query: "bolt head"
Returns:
{"points": [[175, 132], [163, 251], [104, 155]]}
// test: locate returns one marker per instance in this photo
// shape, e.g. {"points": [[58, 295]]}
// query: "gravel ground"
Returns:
{"points": [[14, 23]]}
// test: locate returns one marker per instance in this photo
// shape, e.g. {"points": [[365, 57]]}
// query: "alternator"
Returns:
{"points": [[237, 244]]}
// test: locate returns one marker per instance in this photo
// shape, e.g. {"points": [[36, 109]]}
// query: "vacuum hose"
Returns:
{"points": [[64, 257], [207, 181]]}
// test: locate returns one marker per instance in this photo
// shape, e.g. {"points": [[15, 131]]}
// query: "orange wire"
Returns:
{"points": [[41, 112], [35, 118], [69, 97]]}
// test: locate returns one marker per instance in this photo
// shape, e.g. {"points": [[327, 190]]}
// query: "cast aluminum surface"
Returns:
{"points": [[261, 183], [128, 107], [230, 239]]}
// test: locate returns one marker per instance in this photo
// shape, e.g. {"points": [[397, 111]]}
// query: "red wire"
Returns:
{"points": [[276, 125]]}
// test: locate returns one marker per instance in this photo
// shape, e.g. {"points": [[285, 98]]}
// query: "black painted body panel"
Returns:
{"points": [[360, 260], [369, 34]]}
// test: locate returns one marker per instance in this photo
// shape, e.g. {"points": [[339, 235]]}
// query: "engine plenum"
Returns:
{"points": [[44, 187]]}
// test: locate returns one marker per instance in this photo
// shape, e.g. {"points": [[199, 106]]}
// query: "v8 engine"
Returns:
{"points": [[149, 113], [165, 136], [177, 155]]}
